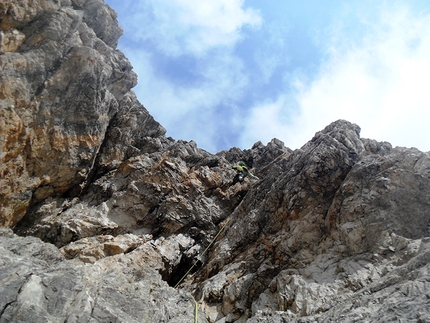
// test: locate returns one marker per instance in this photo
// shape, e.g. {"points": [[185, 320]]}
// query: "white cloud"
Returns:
{"points": [[192, 27], [204, 32], [264, 122], [379, 81], [189, 112]]}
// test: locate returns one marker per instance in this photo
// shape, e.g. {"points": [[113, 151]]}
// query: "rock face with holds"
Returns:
{"points": [[66, 106], [333, 232], [102, 213]]}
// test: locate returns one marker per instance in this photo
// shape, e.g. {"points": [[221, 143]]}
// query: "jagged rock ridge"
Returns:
{"points": [[109, 212]]}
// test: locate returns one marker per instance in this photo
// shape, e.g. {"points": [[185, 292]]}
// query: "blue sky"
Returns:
{"points": [[229, 73]]}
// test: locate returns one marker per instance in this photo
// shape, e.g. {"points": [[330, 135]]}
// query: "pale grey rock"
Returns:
{"points": [[65, 94], [39, 285], [300, 258], [335, 231], [94, 248], [401, 294]]}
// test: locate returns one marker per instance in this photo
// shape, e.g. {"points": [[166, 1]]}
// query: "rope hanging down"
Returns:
{"points": [[201, 255], [196, 314]]}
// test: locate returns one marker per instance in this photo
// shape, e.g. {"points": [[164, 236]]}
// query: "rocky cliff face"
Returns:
{"points": [[108, 214], [65, 99]]}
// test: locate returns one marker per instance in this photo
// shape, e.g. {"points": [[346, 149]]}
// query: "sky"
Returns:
{"points": [[229, 73]]}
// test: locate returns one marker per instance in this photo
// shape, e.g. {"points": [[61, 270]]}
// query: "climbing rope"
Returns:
{"points": [[196, 311], [200, 256], [196, 314]]}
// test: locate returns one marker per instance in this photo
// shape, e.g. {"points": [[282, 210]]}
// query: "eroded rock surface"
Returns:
{"points": [[320, 227], [39, 285], [108, 213], [64, 97]]}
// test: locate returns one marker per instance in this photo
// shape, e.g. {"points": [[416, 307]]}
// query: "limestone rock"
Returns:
{"points": [[39, 285], [64, 94], [10, 40], [94, 248], [389, 292], [305, 244], [335, 231]]}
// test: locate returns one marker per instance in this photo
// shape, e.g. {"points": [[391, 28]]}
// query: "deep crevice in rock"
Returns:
{"points": [[186, 264]]}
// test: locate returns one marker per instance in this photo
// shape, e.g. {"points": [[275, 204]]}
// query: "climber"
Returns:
{"points": [[242, 172]]}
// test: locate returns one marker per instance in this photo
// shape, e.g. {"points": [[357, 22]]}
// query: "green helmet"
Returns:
{"points": [[242, 164]]}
